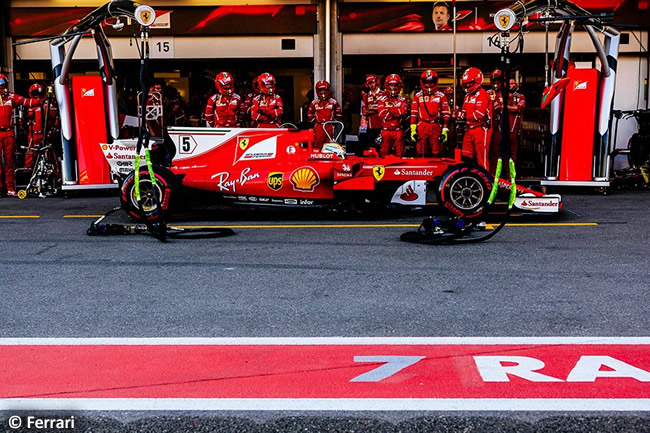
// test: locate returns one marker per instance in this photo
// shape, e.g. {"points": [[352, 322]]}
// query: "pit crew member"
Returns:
{"points": [[225, 107], [155, 117], [369, 109], [174, 107], [429, 116], [392, 108], [323, 109], [9, 101], [516, 107], [476, 113], [36, 117], [267, 107]]}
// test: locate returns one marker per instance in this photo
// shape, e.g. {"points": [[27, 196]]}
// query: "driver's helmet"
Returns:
{"points": [[267, 83], [334, 148], [224, 83], [472, 80], [393, 84], [429, 81], [37, 91], [323, 90]]}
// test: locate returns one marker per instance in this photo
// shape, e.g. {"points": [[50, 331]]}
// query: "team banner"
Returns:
{"points": [[470, 15], [200, 20]]}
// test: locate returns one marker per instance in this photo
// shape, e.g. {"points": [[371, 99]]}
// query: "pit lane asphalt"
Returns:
{"points": [[529, 280]]}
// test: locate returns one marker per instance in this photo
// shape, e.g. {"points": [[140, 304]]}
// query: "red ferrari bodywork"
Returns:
{"points": [[280, 167]]}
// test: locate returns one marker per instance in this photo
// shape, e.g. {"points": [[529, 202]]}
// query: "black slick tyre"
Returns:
{"points": [[464, 191], [165, 190]]}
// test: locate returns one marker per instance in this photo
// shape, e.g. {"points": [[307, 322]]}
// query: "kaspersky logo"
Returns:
{"points": [[87, 92]]}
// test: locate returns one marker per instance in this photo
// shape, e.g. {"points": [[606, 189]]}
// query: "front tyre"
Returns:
{"points": [[164, 189], [464, 191]]}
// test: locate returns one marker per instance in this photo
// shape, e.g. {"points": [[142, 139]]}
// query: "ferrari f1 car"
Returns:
{"points": [[281, 167]]}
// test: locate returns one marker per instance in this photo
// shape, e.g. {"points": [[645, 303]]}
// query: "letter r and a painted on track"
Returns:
{"points": [[502, 368], [587, 369]]}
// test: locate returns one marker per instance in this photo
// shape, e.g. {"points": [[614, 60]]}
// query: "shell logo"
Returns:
{"points": [[304, 179]]}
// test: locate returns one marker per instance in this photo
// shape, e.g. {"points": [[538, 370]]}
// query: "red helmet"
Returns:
{"points": [[371, 79], [224, 83], [267, 83], [37, 91], [496, 78], [4, 82], [472, 80], [157, 87], [429, 81], [255, 82], [323, 89], [393, 84]]}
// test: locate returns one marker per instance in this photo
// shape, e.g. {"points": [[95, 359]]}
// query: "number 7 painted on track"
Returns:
{"points": [[392, 365]]}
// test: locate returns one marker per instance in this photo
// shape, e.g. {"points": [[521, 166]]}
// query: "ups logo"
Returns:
{"points": [[274, 181]]}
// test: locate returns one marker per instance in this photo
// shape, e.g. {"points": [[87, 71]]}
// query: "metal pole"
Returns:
{"points": [[453, 6], [328, 39]]}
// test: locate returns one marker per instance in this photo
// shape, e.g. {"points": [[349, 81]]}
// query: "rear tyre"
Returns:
{"points": [[464, 191], [165, 191]]}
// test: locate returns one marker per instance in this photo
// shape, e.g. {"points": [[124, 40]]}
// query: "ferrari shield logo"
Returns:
{"points": [[378, 172], [505, 19], [243, 143]]}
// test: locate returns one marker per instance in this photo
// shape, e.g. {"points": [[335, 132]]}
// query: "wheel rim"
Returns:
{"points": [[466, 193], [146, 195]]}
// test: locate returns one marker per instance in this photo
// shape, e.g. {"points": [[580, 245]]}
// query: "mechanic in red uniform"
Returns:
{"points": [[476, 112], [369, 109], [496, 100], [35, 124], [224, 108], [429, 116], [154, 100], [323, 109], [9, 101], [516, 107], [267, 107], [392, 108], [174, 108]]}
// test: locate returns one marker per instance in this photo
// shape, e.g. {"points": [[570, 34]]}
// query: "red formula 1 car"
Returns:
{"points": [[280, 167]]}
